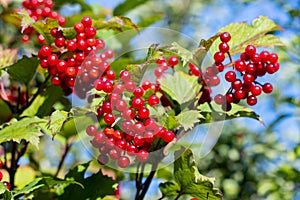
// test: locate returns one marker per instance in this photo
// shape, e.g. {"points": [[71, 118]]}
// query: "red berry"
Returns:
{"points": [[223, 47], [237, 84], [45, 51], [248, 79], [71, 45], [61, 66], [1, 175], [225, 37], [79, 27], [230, 76], [131, 149], [240, 65], [114, 154], [25, 38], [138, 92], [137, 103], [251, 100], [109, 118], [143, 113], [125, 75], [91, 130], [122, 144], [264, 56], [219, 99], [103, 159], [108, 87], [110, 74], [55, 80], [273, 58], [138, 140], [219, 57], [173, 61], [109, 53], [86, 21], [41, 39], [142, 156], [71, 71], [123, 161], [90, 32], [255, 90], [168, 136], [60, 42], [128, 114], [107, 107], [121, 105], [267, 88], [250, 50], [153, 100], [52, 60], [99, 138], [7, 184]]}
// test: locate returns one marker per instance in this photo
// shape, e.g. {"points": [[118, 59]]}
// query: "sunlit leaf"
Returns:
{"points": [[57, 120], [257, 34], [187, 119], [27, 129]]}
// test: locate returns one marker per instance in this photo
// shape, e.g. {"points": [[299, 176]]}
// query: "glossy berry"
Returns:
{"points": [[86, 21], [173, 61], [219, 57], [168, 136], [225, 37], [223, 47], [251, 100], [109, 118], [143, 113], [267, 88], [230, 76], [123, 161], [142, 156], [250, 50], [138, 92], [256, 90], [137, 103], [79, 27], [153, 100]]}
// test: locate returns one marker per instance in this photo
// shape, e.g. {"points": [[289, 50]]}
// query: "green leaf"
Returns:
{"points": [[169, 189], [27, 129], [180, 86], [26, 20], [126, 6], [188, 118], [84, 6], [235, 112], [44, 28], [43, 104], [116, 23], [45, 184], [95, 186], [57, 120], [190, 180], [257, 34], [137, 72], [24, 69]]}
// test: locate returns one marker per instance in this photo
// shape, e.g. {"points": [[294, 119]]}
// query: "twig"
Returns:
{"points": [[63, 157]]}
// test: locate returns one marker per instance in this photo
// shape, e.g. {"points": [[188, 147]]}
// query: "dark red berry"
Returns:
{"points": [[173, 61], [230, 76], [225, 37], [251, 100], [123, 161], [267, 88], [142, 156]]}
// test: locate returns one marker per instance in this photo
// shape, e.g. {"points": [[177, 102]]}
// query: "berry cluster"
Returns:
{"points": [[82, 63], [130, 131], [243, 76], [39, 10], [7, 184]]}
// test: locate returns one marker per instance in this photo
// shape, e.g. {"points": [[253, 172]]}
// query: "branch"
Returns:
{"points": [[63, 157]]}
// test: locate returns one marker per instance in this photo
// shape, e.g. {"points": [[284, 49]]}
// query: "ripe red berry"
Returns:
{"points": [[255, 90], [250, 50], [225, 37], [109, 118], [142, 156], [173, 60], [137, 103], [128, 114], [7, 184], [219, 57], [219, 99], [153, 100], [264, 56], [99, 138], [55, 80], [138, 92], [143, 113], [114, 154], [103, 159], [125, 75], [52, 60], [90, 32], [123, 161], [251, 100], [223, 47], [1, 175], [107, 107], [237, 84], [267, 88], [121, 105], [79, 27], [86, 21], [71, 45], [273, 58], [168, 136], [45, 51], [131, 149], [230, 76], [60, 42]]}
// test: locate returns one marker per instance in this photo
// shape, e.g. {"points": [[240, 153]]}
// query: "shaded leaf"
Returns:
{"points": [[188, 118], [115, 23], [235, 112], [180, 86], [126, 6], [44, 28], [27, 129], [95, 186], [257, 34], [84, 6], [24, 69]]}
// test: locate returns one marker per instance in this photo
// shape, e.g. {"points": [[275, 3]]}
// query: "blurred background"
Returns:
{"points": [[249, 161]]}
